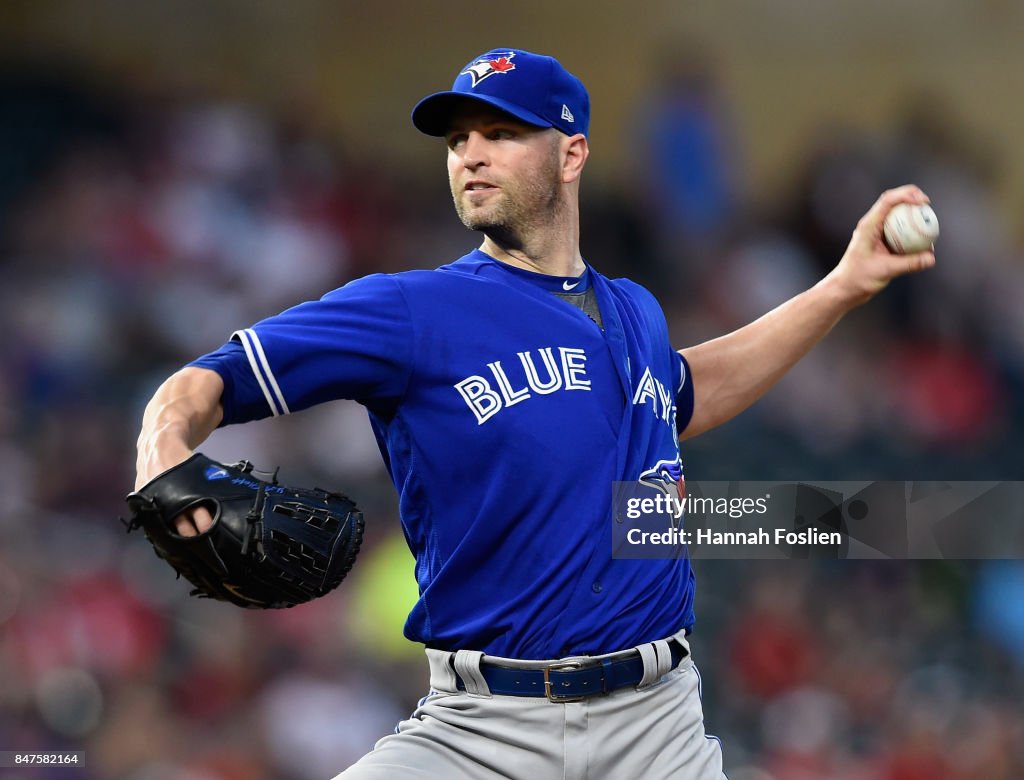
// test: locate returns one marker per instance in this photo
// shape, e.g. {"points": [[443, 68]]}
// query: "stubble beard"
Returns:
{"points": [[520, 210]]}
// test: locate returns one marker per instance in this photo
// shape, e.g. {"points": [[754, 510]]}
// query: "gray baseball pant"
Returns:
{"points": [[653, 731]]}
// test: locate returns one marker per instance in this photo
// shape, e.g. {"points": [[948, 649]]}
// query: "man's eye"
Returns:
{"points": [[455, 140], [502, 134]]}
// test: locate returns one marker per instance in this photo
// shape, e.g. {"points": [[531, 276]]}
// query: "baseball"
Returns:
{"points": [[910, 228]]}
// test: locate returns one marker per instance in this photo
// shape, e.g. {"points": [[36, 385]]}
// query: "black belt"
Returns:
{"points": [[564, 681]]}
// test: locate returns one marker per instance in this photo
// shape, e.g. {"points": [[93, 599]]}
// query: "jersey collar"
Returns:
{"points": [[557, 284]]}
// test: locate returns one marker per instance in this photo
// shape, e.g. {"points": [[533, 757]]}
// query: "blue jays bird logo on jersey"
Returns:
{"points": [[482, 69], [666, 475]]}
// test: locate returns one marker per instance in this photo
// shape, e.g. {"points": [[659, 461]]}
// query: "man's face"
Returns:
{"points": [[505, 175]]}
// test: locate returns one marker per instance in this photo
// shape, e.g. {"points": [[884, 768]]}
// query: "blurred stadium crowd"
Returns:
{"points": [[142, 226]]}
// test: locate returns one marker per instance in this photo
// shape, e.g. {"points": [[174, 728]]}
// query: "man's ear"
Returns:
{"points": [[575, 152]]}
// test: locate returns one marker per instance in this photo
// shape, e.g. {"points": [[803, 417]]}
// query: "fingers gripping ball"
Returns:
{"points": [[910, 228], [270, 545]]}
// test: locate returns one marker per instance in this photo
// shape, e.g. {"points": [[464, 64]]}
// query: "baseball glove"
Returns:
{"points": [[270, 545]]}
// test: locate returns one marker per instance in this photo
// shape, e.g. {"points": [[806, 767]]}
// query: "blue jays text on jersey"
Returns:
{"points": [[504, 414]]}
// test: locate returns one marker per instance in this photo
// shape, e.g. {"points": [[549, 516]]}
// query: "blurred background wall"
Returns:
{"points": [[172, 171], [790, 67]]}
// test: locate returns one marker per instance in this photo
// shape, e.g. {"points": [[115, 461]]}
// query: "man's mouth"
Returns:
{"points": [[479, 186]]}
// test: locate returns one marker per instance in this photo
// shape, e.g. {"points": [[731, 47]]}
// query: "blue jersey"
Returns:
{"points": [[504, 414]]}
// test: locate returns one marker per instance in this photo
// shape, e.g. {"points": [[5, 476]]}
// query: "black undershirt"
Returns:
{"points": [[586, 301]]}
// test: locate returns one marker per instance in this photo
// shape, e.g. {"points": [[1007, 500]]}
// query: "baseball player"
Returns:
{"points": [[508, 390]]}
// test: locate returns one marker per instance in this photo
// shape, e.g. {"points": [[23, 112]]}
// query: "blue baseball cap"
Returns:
{"points": [[531, 87]]}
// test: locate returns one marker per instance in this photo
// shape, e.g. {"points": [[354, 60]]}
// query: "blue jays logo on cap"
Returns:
{"points": [[533, 88], [486, 67]]}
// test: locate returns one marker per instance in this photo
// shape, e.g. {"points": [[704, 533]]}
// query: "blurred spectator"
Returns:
{"points": [[688, 160]]}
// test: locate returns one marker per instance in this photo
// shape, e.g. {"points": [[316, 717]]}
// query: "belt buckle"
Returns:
{"points": [[557, 667]]}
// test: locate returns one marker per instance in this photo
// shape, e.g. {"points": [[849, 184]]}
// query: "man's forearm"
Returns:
{"points": [[183, 412], [731, 372]]}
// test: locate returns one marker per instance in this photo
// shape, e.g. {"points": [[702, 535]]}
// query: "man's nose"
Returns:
{"points": [[475, 151]]}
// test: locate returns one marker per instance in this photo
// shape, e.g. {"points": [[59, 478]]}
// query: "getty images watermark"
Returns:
{"points": [[903, 520], [675, 509]]}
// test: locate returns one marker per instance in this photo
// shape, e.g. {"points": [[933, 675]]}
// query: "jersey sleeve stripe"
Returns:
{"points": [[266, 369], [682, 374], [243, 337]]}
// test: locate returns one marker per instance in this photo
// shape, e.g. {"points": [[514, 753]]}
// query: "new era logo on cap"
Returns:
{"points": [[533, 88]]}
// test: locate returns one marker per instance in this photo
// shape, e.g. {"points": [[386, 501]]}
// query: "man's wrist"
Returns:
{"points": [[162, 449], [840, 296]]}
